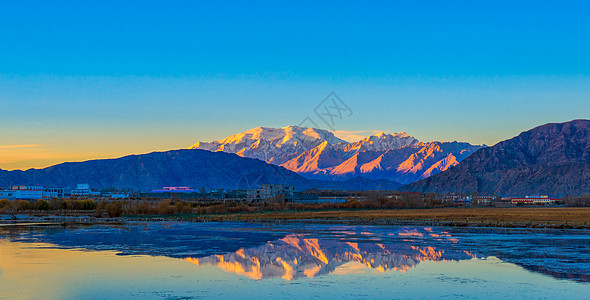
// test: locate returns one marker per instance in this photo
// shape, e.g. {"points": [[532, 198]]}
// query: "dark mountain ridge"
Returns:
{"points": [[552, 159], [194, 168]]}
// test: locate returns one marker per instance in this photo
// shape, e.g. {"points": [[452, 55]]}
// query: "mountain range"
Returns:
{"points": [[552, 159], [194, 168], [319, 154]]}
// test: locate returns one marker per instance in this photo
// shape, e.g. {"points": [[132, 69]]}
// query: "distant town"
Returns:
{"points": [[272, 193]]}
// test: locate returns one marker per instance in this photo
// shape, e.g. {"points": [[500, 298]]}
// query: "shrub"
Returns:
{"points": [[114, 210], [43, 205], [87, 204], [144, 209], [182, 207], [100, 208], [352, 204], [68, 204], [164, 208], [22, 205], [4, 203], [583, 200], [56, 203]]}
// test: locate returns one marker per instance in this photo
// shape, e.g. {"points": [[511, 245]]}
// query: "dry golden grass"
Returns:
{"points": [[488, 215]]}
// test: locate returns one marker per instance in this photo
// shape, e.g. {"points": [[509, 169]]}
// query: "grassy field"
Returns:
{"points": [[523, 215]]}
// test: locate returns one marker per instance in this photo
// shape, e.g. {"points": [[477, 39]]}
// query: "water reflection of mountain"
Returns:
{"points": [[293, 257], [560, 254]]}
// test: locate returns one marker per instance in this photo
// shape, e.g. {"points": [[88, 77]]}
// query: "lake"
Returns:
{"points": [[179, 260]]}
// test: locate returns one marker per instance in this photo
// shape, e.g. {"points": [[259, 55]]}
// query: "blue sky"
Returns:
{"points": [[83, 79]]}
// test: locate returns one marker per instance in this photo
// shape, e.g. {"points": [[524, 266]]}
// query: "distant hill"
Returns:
{"points": [[319, 154], [552, 159], [194, 168]]}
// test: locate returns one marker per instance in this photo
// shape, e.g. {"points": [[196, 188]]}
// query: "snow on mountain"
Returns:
{"points": [[273, 145], [317, 159], [382, 142], [318, 154], [403, 165]]}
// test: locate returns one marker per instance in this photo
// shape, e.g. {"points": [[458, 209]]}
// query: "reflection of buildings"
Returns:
{"points": [[293, 257]]}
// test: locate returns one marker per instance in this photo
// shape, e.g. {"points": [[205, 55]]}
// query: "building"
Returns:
{"points": [[83, 189], [175, 192], [7, 194], [27, 192], [216, 194], [482, 200], [236, 195], [456, 199], [313, 198], [533, 200], [269, 191], [177, 189], [300, 197], [115, 195], [56, 192]]}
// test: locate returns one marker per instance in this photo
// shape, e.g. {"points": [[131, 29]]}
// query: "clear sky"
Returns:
{"points": [[96, 79]]}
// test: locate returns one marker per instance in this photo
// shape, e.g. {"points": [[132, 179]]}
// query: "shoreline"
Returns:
{"points": [[350, 222], [548, 217]]}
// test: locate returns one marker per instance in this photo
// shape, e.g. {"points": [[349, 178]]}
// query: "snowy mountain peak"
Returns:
{"points": [[317, 153], [384, 141], [276, 144]]}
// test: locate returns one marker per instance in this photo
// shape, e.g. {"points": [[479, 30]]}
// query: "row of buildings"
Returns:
{"points": [[491, 200], [27, 192], [278, 193], [287, 193], [270, 193], [266, 193], [539, 200]]}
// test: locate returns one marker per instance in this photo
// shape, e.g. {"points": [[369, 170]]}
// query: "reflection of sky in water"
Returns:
{"points": [[220, 260]]}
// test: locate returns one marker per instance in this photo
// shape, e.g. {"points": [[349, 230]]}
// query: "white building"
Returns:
{"points": [[115, 195], [7, 194], [534, 200], [83, 189], [27, 192]]}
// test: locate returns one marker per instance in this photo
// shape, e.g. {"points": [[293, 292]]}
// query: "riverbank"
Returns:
{"points": [[528, 217]]}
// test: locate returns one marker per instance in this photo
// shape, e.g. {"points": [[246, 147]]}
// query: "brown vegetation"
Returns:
{"points": [[583, 200], [373, 207], [114, 210], [487, 215]]}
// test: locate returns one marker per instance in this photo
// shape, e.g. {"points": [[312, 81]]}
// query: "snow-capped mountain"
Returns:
{"points": [[319, 154], [404, 165], [273, 145], [383, 141]]}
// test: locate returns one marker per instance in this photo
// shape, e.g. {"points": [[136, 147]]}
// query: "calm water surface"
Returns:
{"points": [[236, 260]]}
